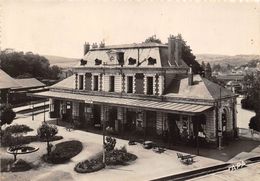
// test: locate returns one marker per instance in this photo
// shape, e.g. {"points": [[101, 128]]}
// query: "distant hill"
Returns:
{"points": [[63, 62], [235, 60]]}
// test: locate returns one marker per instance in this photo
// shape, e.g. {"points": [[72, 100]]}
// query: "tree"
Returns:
{"points": [[188, 57], [23, 65], [216, 67], [253, 97], [7, 114], [208, 71], [255, 123], [203, 66], [152, 39], [47, 132]]}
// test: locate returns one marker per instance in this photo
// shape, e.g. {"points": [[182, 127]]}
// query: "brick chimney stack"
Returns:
{"points": [[86, 48], [174, 50], [171, 48], [190, 77]]}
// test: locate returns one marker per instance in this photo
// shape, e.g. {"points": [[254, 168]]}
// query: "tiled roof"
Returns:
{"points": [[67, 83], [29, 83], [216, 90], [202, 88], [7, 82]]}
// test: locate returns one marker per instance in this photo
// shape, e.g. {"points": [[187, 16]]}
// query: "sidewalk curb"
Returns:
{"points": [[204, 171]]}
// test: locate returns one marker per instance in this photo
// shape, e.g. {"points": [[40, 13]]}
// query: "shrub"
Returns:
{"points": [[8, 139], [110, 143], [119, 157], [113, 157], [255, 123], [64, 151], [47, 132], [18, 129], [20, 166], [7, 114], [89, 166], [5, 164], [247, 104]]}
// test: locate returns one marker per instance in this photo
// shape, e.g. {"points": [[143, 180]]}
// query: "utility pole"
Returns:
{"points": [[104, 129], [220, 127]]}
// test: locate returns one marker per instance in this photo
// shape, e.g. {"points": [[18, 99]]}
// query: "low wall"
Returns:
{"points": [[249, 134]]}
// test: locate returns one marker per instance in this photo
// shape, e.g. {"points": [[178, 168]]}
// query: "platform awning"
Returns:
{"points": [[125, 102]]}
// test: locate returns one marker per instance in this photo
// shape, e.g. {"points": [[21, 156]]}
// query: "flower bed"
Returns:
{"points": [[113, 157], [8, 139], [18, 128], [63, 152], [8, 165]]}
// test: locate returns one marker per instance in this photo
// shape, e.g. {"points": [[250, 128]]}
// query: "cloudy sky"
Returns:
{"points": [[60, 27]]}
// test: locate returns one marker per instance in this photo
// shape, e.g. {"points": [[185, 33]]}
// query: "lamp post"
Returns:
{"points": [[44, 111], [197, 127]]}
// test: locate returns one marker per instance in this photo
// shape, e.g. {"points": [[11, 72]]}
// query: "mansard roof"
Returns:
{"points": [[140, 52]]}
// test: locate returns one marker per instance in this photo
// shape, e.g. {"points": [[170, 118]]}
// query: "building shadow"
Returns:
{"points": [[227, 153]]}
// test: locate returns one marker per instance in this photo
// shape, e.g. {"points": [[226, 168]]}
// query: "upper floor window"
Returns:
{"points": [[95, 82], [151, 61], [81, 79], [149, 85], [112, 84], [98, 62], [129, 84], [131, 61], [83, 62]]}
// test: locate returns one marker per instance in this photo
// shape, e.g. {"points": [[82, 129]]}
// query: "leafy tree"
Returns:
{"points": [[7, 114], [203, 66], [24, 65], [188, 57], [208, 70], [253, 63], [255, 123], [152, 39], [47, 132], [216, 67], [253, 97]]}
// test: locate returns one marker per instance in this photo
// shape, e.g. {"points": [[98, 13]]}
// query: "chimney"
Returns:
{"points": [[190, 77], [178, 52], [174, 50], [86, 48], [171, 48]]}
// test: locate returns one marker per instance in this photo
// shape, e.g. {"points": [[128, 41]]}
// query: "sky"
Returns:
{"points": [[60, 27]]}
